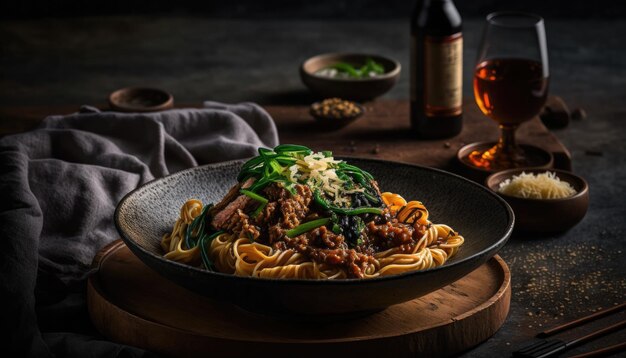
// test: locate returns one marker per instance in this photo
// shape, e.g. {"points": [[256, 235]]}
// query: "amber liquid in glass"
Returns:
{"points": [[510, 91]]}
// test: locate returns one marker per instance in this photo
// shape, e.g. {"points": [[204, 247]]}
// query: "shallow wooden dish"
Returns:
{"points": [[132, 304], [349, 88], [140, 99], [481, 216], [545, 215]]}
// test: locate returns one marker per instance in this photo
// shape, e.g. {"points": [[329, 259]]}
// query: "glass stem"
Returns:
{"points": [[507, 143]]}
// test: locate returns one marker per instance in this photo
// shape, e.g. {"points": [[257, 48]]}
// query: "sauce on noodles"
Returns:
{"points": [[299, 214]]}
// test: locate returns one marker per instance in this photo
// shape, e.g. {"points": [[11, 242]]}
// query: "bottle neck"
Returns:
{"points": [[436, 18]]}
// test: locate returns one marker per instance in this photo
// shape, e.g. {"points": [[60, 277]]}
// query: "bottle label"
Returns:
{"points": [[443, 75]]}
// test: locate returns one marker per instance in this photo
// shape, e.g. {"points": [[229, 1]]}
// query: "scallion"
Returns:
{"points": [[197, 225], [203, 242], [307, 226]]}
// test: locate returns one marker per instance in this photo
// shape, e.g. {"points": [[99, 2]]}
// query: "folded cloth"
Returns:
{"points": [[59, 185]]}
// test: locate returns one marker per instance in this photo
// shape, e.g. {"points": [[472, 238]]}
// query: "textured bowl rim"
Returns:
{"points": [[509, 173], [391, 74], [495, 247]]}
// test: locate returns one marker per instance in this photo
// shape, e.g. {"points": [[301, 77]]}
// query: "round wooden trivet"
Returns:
{"points": [[129, 303]]}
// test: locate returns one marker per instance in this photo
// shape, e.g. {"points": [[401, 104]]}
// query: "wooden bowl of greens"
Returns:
{"points": [[350, 76]]}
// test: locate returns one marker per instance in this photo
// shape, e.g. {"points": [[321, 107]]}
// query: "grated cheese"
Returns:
{"points": [[536, 186], [317, 170]]}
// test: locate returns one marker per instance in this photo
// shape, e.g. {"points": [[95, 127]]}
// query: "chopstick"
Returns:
{"points": [[580, 321], [548, 348], [602, 352], [596, 334]]}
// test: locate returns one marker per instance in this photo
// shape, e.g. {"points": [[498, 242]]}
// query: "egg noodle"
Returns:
{"points": [[244, 255]]}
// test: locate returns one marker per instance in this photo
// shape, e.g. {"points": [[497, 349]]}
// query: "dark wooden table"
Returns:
{"points": [[383, 132], [554, 278]]}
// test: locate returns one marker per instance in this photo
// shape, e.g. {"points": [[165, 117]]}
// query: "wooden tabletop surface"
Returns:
{"points": [[383, 132]]}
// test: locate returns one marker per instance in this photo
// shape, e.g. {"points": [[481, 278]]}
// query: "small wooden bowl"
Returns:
{"points": [[138, 99], [336, 123], [349, 88], [545, 215]]}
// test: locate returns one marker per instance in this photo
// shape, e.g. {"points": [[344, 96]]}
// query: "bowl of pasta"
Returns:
{"points": [[293, 232]]}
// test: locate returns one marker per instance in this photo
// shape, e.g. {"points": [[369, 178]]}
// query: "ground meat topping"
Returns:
{"points": [[354, 253], [394, 234], [291, 209], [240, 225], [268, 216], [322, 237], [324, 246], [354, 263]]}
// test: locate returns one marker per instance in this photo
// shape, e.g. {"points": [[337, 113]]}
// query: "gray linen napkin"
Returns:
{"points": [[59, 185]]}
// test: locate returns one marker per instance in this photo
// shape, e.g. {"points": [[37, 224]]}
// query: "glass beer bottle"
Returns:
{"points": [[436, 69]]}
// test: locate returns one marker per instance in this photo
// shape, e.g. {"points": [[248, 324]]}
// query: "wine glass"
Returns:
{"points": [[510, 82]]}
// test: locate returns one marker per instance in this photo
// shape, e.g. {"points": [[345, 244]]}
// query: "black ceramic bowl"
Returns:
{"points": [[481, 216]]}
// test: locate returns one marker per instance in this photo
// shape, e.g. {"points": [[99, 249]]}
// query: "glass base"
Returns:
{"points": [[479, 167], [496, 158]]}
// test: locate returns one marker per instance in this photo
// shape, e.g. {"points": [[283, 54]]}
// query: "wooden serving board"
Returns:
{"points": [[383, 132], [130, 303]]}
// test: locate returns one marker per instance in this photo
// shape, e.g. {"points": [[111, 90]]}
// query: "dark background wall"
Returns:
{"points": [[348, 9]]}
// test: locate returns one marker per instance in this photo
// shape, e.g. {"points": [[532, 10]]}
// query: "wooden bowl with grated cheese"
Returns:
{"points": [[545, 201]]}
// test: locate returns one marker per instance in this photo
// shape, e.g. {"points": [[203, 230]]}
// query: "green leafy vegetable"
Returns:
{"points": [[276, 166], [196, 235], [370, 67], [203, 243], [254, 196], [343, 211], [195, 229], [347, 68]]}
